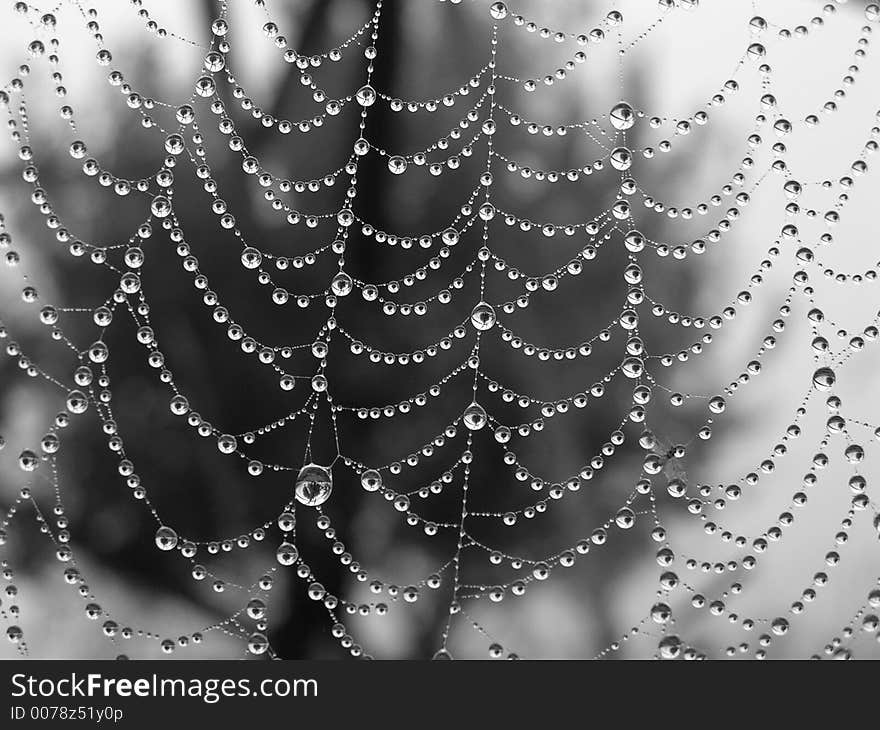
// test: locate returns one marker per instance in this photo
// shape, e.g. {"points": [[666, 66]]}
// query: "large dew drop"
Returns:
{"points": [[160, 206], [397, 164], [779, 626], [257, 643], [287, 554], [669, 647], [371, 480], [77, 402], [313, 485], [483, 316], [341, 285], [166, 538], [366, 96], [227, 443], [251, 258], [824, 379], [28, 460], [622, 116], [475, 416], [621, 158], [498, 11], [661, 613], [633, 367]]}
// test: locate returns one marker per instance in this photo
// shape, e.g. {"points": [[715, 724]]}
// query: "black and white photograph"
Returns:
{"points": [[437, 330]]}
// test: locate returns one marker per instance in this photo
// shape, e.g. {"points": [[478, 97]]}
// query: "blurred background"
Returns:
{"points": [[426, 49]]}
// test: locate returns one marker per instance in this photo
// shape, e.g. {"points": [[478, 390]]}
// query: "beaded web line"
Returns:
{"points": [[663, 483]]}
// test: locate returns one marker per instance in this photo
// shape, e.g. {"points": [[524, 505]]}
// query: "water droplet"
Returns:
{"points": [[256, 608], [205, 86], [632, 367], [287, 554], [620, 158], [341, 284], [669, 647], [620, 209], [779, 626], [634, 241], [498, 11], [371, 480], [313, 485], [166, 538], [824, 378], [50, 443], [854, 453], [160, 206], [758, 24], [251, 258], [257, 643], [483, 316], [660, 613], [792, 189], [179, 405], [366, 95], [625, 518], [622, 116], [756, 51], [397, 164], [28, 460], [214, 61], [475, 416]]}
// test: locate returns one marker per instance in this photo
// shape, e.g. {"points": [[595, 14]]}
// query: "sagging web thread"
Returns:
{"points": [[88, 388]]}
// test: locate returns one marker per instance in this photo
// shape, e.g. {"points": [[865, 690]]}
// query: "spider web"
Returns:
{"points": [[479, 428]]}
